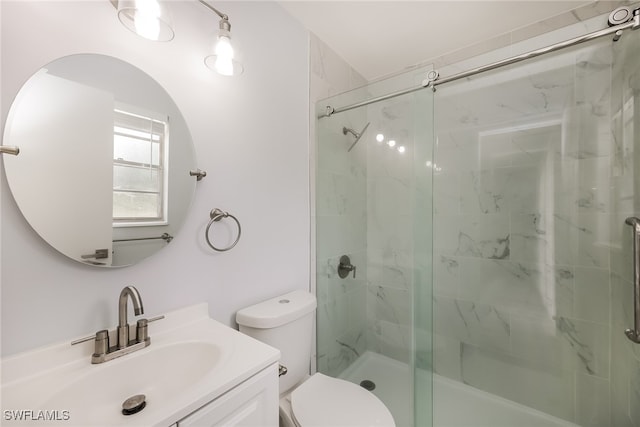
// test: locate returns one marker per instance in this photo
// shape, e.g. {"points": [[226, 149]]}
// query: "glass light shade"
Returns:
{"points": [[222, 61], [147, 18]]}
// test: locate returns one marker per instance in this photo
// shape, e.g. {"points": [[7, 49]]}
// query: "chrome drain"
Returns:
{"points": [[134, 404], [368, 384]]}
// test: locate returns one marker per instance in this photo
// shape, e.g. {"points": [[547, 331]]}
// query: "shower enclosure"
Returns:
{"points": [[490, 277]]}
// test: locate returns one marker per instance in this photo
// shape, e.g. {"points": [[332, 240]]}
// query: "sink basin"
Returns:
{"points": [[192, 359], [161, 374]]}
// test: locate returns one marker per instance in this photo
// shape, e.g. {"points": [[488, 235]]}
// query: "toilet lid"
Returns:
{"points": [[325, 401]]}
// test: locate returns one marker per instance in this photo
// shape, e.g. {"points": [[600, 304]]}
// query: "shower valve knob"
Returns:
{"points": [[345, 267]]}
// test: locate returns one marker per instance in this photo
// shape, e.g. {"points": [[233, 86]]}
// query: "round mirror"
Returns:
{"points": [[105, 155]]}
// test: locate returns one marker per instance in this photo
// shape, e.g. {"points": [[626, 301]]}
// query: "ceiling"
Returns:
{"points": [[379, 38]]}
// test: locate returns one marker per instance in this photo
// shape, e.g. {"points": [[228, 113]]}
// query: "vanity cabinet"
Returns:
{"points": [[252, 403]]}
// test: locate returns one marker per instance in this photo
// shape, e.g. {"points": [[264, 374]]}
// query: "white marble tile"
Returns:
{"points": [[593, 407], [469, 322], [560, 290], [593, 90], [390, 305], [388, 197], [339, 235], [563, 185], [339, 194], [446, 192], [530, 240], [593, 238], [518, 287], [446, 276], [480, 236], [484, 192], [536, 145], [535, 339], [519, 380], [396, 341], [341, 352], [390, 251], [446, 356], [593, 185], [591, 294], [589, 343]]}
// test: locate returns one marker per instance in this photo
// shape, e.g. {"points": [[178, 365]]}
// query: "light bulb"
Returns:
{"points": [[391, 143], [224, 48], [224, 56], [379, 137], [401, 149], [146, 19]]}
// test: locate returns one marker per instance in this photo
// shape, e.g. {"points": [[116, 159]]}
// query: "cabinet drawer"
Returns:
{"points": [[250, 404]]}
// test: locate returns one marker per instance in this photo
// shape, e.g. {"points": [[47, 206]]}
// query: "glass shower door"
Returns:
{"points": [[373, 204], [523, 248], [625, 197]]}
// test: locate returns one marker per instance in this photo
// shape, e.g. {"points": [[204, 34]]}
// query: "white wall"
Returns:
{"points": [[250, 135]]}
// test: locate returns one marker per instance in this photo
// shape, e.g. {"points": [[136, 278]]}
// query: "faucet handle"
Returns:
{"points": [[102, 343], [142, 331], [101, 339]]}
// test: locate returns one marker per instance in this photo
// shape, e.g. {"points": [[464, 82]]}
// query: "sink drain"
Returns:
{"points": [[134, 404], [368, 384]]}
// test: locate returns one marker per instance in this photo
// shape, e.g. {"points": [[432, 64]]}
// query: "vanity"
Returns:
{"points": [[196, 371]]}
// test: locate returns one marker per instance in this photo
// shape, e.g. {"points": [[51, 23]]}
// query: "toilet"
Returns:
{"points": [[286, 322]]}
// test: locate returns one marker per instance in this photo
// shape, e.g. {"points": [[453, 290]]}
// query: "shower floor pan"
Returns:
{"points": [[455, 404]]}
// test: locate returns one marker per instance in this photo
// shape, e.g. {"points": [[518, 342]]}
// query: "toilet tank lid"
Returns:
{"points": [[277, 311]]}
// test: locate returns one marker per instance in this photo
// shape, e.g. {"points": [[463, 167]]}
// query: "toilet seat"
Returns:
{"points": [[325, 401]]}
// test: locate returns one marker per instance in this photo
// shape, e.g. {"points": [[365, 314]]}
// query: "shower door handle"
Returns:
{"points": [[634, 334]]}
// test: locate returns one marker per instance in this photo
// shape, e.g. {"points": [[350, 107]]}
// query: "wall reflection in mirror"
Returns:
{"points": [[105, 154]]}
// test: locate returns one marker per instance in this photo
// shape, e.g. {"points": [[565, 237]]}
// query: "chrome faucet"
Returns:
{"points": [[123, 324], [103, 352]]}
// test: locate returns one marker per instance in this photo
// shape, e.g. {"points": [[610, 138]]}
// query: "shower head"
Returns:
{"points": [[346, 130]]}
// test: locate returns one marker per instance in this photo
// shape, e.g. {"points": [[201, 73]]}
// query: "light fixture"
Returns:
{"points": [[391, 143], [401, 149], [379, 137], [147, 18], [222, 61], [150, 19]]}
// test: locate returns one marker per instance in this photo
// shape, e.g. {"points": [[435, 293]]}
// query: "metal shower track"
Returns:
{"points": [[433, 79]]}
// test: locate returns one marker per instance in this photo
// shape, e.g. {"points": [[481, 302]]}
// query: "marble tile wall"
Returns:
{"points": [[522, 243]]}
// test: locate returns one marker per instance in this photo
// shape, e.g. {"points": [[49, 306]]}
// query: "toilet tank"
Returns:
{"points": [[286, 323]]}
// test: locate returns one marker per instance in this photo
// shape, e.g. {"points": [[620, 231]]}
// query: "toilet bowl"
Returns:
{"points": [[324, 401], [286, 322]]}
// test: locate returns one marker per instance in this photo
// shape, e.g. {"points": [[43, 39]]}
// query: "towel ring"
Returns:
{"points": [[216, 215]]}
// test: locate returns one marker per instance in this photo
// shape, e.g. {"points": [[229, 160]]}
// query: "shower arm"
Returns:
{"points": [[356, 134]]}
